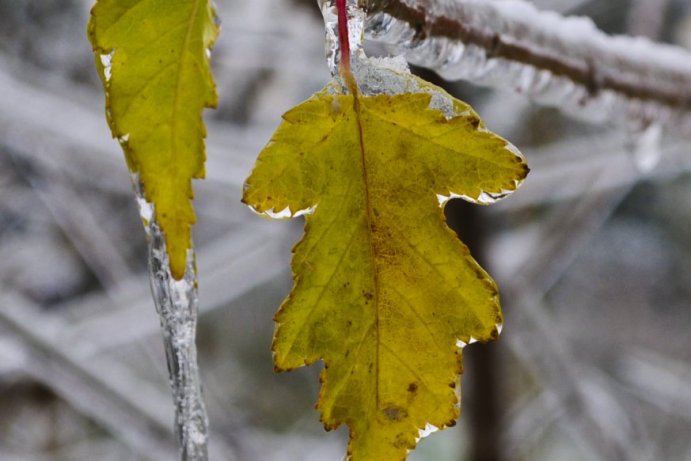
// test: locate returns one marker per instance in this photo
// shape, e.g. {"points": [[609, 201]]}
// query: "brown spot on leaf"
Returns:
{"points": [[395, 413]]}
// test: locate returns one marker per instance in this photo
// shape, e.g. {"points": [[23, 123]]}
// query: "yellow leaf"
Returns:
{"points": [[383, 289], [152, 58]]}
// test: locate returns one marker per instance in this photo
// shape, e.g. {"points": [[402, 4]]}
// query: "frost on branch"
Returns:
{"points": [[557, 61]]}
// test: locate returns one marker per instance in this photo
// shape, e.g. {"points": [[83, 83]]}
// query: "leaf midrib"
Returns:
{"points": [[369, 219]]}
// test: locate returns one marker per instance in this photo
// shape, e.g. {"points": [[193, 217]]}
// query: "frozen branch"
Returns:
{"points": [[558, 61]]}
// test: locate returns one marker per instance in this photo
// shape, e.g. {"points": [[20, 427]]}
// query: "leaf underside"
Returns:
{"points": [[152, 58], [383, 289]]}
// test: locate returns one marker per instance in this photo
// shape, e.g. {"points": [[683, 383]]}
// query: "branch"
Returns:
{"points": [[559, 61]]}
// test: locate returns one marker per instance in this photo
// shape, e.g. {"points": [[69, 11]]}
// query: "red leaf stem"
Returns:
{"points": [[343, 33]]}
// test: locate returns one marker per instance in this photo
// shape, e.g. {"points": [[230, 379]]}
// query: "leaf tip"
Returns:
{"points": [[177, 253]]}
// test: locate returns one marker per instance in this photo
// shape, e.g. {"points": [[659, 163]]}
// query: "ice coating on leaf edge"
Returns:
{"points": [[285, 213]]}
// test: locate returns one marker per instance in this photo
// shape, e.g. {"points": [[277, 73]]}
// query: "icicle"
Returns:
{"points": [[177, 303], [455, 60]]}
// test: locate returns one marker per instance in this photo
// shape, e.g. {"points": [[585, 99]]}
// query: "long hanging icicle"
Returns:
{"points": [[177, 305]]}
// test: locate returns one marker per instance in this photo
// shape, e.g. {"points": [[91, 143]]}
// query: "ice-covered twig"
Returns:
{"points": [[177, 306], [558, 61]]}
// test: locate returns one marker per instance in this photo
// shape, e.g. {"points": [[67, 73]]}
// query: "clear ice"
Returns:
{"points": [[107, 62]]}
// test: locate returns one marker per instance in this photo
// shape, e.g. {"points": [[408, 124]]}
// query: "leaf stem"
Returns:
{"points": [[344, 44]]}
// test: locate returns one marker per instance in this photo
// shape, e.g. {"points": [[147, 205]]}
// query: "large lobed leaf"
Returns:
{"points": [[152, 58], [383, 289]]}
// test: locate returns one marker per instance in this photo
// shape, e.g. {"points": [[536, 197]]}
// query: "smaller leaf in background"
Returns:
{"points": [[384, 290], [152, 58]]}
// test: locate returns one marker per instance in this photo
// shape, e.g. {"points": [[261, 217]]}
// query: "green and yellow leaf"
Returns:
{"points": [[383, 289], [152, 58]]}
